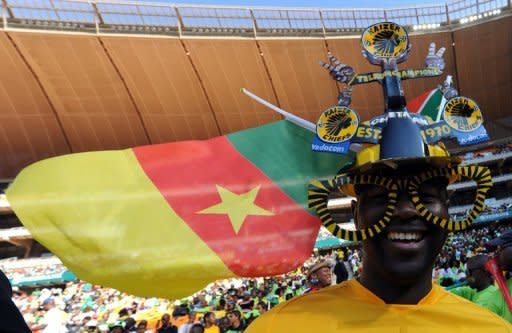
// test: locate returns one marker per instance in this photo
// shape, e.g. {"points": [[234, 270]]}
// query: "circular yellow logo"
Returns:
{"points": [[337, 124], [385, 40], [463, 114]]}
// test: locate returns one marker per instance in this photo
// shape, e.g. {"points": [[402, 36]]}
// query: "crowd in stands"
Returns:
{"points": [[39, 270], [451, 262], [227, 306], [497, 150], [489, 209]]}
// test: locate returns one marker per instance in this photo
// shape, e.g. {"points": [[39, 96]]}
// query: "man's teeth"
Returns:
{"points": [[411, 236]]}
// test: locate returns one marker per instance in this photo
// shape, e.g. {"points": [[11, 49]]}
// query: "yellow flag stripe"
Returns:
{"points": [[110, 225]]}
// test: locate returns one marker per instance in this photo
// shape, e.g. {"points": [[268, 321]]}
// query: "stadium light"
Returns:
{"points": [[426, 26]]}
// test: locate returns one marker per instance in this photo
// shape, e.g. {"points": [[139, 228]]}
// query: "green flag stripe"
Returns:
{"points": [[282, 151], [431, 105]]}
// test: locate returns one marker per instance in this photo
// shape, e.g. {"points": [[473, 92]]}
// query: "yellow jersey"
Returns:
{"points": [[350, 307], [212, 329]]}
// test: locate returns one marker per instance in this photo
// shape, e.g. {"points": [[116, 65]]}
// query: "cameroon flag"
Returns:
{"points": [[165, 220]]}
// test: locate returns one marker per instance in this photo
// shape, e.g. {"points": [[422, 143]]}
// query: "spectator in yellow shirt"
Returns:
{"points": [[395, 291], [210, 325], [401, 216]]}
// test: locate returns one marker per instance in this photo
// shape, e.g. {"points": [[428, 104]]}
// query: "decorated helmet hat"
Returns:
{"points": [[396, 151], [397, 138]]}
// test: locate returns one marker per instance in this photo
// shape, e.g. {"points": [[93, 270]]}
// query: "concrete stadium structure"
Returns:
{"points": [[66, 88]]}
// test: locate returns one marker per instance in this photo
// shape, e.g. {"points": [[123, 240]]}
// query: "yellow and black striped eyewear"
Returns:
{"points": [[319, 192]]}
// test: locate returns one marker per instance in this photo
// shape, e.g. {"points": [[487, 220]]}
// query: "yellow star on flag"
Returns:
{"points": [[237, 206]]}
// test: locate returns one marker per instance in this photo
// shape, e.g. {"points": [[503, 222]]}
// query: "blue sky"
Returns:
{"points": [[310, 3]]}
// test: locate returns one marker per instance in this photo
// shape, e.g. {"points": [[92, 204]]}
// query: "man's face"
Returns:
{"points": [[233, 319], [324, 276], [141, 328], [224, 323], [407, 248], [48, 305], [230, 307], [166, 318]]}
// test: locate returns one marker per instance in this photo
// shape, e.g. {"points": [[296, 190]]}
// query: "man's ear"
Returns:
{"points": [[353, 206]]}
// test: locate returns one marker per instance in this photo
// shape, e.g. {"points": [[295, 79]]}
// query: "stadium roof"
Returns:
{"points": [[180, 19], [144, 73]]}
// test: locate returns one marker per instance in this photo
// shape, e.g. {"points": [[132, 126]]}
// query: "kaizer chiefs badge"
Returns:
{"points": [[385, 40], [463, 114], [337, 124]]}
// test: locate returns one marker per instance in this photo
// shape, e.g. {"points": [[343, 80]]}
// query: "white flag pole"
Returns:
{"points": [[287, 115]]}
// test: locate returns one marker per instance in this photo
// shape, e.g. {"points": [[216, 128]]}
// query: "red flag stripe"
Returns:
{"points": [[187, 175], [415, 104]]}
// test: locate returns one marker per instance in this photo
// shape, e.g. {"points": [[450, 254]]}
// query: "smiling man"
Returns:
{"points": [[400, 181], [319, 275], [395, 292], [401, 216], [398, 262]]}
